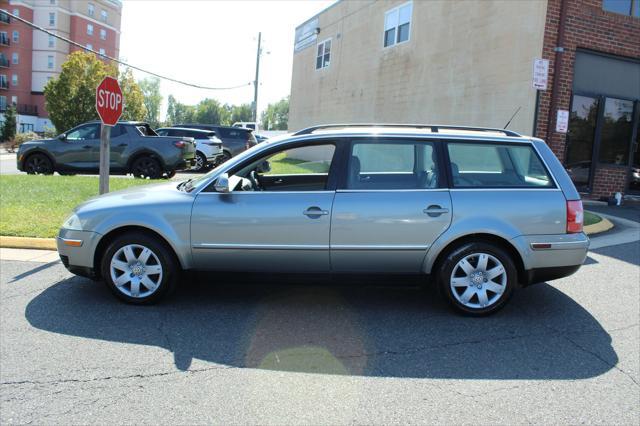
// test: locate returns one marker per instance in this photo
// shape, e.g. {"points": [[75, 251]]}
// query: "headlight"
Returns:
{"points": [[73, 223]]}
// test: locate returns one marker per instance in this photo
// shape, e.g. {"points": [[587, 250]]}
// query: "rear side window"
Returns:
{"points": [[482, 165], [232, 133], [398, 164]]}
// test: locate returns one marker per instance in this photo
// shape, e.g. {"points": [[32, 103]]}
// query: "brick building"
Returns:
{"points": [[29, 57], [470, 62]]}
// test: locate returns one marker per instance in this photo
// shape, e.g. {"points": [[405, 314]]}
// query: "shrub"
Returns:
{"points": [[21, 138]]}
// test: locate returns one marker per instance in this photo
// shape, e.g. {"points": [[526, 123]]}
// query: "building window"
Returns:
{"points": [[52, 41], [14, 100], [16, 12], [397, 24], [89, 29], [89, 46], [50, 62], [91, 9], [52, 19], [103, 34], [3, 103], [14, 80], [102, 51], [323, 58], [16, 36], [103, 15], [15, 59], [52, 2], [623, 7]]}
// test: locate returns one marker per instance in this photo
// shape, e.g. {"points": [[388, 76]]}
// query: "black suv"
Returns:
{"points": [[234, 139]]}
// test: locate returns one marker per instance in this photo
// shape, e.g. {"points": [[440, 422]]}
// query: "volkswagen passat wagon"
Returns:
{"points": [[479, 212]]}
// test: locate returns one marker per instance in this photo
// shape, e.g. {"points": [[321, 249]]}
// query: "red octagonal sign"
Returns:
{"points": [[109, 101]]}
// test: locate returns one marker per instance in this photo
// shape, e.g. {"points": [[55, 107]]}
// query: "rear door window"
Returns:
{"points": [[393, 164], [488, 165]]}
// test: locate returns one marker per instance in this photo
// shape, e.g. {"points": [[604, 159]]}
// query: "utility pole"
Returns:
{"points": [[255, 82]]}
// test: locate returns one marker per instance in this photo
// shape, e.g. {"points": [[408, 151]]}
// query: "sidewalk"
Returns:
{"points": [[629, 210], [29, 255]]}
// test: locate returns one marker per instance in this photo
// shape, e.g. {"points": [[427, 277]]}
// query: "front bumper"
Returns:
{"points": [[76, 250]]}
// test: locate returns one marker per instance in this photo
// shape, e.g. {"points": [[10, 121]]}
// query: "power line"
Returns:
{"points": [[44, 30]]}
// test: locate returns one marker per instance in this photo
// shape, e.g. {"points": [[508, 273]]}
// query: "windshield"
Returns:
{"points": [[201, 181]]}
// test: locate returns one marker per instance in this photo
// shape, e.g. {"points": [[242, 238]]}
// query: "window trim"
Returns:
{"points": [[323, 44], [52, 22], [15, 36], [15, 58], [103, 32], [384, 31], [90, 29], [52, 62], [445, 149]]}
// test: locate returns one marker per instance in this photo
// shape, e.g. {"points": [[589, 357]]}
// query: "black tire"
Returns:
{"points": [[38, 164], [165, 258], [63, 173], [169, 175], [471, 250], [146, 167], [201, 163], [226, 155]]}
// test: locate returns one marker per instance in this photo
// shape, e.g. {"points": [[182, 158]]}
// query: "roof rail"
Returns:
{"points": [[434, 128]]}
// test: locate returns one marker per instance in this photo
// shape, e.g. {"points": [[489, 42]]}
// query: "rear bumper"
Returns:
{"points": [[549, 257]]}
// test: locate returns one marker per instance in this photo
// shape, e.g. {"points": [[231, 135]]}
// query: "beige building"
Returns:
{"points": [[446, 62]]}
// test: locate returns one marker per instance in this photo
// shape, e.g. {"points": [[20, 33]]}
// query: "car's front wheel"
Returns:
{"points": [[38, 164], [477, 278], [201, 162], [139, 269]]}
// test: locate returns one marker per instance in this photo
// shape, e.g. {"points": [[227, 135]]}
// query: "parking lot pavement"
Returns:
{"points": [[223, 352]]}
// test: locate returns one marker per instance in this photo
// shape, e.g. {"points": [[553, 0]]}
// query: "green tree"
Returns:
{"points": [[71, 97], [208, 111], [241, 113], [179, 113], [8, 131], [276, 116], [152, 100]]}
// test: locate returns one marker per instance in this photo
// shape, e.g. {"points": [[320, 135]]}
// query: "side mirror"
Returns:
{"points": [[222, 184], [63, 137]]}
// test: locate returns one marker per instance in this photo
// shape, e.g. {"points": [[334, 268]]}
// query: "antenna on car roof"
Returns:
{"points": [[514, 114]]}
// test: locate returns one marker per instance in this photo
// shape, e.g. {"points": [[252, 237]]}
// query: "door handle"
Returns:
{"points": [[315, 211], [435, 210], [279, 180]]}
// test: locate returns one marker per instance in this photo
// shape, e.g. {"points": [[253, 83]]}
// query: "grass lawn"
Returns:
{"points": [[36, 206], [591, 218], [281, 165]]}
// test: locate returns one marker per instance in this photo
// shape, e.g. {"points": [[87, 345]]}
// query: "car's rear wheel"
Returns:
{"points": [[477, 278], [139, 269], [169, 174], [38, 164], [201, 162], [146, 167]]}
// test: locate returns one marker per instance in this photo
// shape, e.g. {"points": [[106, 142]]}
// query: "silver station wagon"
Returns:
{"points": [[478, 212]]}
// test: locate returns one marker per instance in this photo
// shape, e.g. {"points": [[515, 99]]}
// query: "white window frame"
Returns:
{"points": [[104, 16], [89, 46], [397, 25], [102, 51], [14, 80], [52, 41], [90, 29], [91, 9], [15, 36], [15, 58], [16, 12], [103, 34], [52, 19], [14, 100], [51, 64], [323, 44]]}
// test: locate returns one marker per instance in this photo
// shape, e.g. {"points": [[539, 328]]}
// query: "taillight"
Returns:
{"points": [[575, 216], [179, 144]]}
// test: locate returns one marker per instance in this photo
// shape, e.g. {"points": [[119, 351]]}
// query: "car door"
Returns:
{"points": [[120, 147], [254, 228], [81, 148], [390, 206]]}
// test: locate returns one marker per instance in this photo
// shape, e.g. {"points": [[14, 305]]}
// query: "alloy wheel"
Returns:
{"points": [[478, 280], [136, 271]]}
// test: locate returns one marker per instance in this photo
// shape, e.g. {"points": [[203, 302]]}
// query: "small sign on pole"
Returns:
{"points": [[109, 104], [540, 74], [562, 121]]}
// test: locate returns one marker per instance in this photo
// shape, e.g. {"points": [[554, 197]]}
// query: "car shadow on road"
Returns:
{"points": [[365, 330]]}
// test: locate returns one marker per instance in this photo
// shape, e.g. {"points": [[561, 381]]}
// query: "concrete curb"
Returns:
{"points": [[603, 226], [28, 243]]}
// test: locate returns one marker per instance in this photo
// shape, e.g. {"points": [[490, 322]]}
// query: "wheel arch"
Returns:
{"points": [[34, 151], [107, 238], [505, 244], [145, 153]]}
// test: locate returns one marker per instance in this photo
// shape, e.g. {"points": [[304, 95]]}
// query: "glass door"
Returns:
{"points": [[581, 140], [634, 179]]}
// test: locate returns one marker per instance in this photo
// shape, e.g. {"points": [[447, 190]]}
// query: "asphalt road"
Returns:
{"points": [[238, 353]]}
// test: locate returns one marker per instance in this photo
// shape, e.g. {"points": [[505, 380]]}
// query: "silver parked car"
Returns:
{"points": [[479, 212]]}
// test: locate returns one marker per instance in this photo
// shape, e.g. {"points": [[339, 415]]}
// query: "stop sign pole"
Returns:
{"points": [[109, 104]]}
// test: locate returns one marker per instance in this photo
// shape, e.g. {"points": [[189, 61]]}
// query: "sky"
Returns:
{"points": [[213, 43]]}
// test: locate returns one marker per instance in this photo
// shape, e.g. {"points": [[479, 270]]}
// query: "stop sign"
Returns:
{"points": [[109, 101]]}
